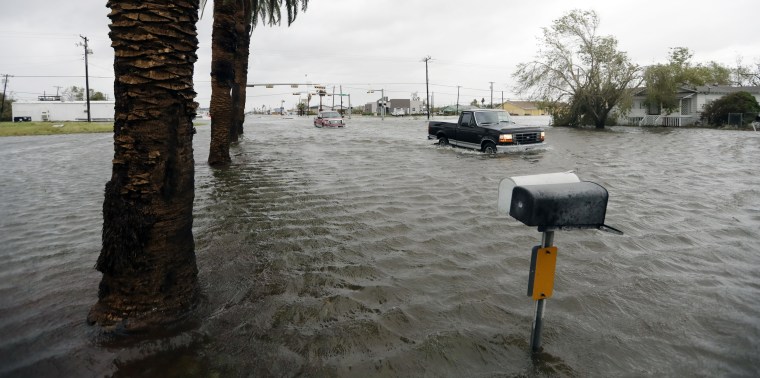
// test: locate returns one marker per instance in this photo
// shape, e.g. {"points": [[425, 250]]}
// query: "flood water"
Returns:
{"points": [[368, 251]]}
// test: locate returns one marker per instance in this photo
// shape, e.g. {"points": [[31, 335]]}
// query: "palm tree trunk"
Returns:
{"points": [[223, 45], [243, 30], [147, 256]]}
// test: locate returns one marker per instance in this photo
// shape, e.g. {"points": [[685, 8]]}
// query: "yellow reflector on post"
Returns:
{"points": [[542, 265]]}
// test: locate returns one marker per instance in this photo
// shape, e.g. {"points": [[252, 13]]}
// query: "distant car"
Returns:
{"points": [[329, 119]]}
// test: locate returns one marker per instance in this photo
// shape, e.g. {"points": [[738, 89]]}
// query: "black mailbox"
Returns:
{"points": [[575, 205]]}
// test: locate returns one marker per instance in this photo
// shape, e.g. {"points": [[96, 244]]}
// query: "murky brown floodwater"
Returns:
{"points": [[367, 251]]}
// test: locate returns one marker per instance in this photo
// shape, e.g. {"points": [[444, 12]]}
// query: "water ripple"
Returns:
{"points": [[368, 251]]}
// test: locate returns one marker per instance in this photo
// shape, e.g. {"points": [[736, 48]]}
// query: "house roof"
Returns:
{"points": [[705, 89], [725, 89]]}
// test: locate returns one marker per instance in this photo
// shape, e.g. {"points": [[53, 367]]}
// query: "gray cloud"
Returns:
{"points": [[362, 44]]}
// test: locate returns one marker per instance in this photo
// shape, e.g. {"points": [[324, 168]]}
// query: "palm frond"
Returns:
{"points": [[269, 12]]}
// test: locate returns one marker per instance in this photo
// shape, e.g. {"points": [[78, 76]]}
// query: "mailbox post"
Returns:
{"points": [[538, 319], [551, 202]]}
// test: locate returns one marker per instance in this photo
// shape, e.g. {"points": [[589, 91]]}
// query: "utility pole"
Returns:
{"points": [[5, 86], [458, 86], [427, 90], [87, 51], [491, 94]]}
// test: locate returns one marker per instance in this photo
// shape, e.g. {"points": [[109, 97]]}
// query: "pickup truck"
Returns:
{"points": [[486, 130]]}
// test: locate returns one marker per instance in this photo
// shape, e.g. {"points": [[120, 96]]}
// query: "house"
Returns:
{"points": [[528, 108], [395, 106], [691, 100], [43, 111], [405, 106], [372, 107]]}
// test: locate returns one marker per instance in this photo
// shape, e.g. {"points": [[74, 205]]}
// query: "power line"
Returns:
{"points": [[63, 76]]}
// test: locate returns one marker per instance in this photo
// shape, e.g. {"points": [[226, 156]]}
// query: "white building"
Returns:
{"points": [[41, 111], [395, 107]]}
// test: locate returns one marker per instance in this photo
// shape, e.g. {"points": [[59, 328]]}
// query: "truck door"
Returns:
{"points": [[467, 131]]}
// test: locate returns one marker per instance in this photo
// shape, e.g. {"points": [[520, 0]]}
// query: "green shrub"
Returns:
{"points": [[716, 113]]}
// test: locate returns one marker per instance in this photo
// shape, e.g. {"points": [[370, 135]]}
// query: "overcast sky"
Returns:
{"points": [[362, 44]]}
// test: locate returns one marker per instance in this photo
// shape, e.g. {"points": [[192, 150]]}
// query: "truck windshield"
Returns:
{"points": [[486, 118]]}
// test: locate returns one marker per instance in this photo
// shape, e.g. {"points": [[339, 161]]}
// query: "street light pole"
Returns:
{"points": [[382, 99], [427, 89], [381, 103]]}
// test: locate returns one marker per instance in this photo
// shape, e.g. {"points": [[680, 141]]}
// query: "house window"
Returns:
{"points": [[686, 106]]}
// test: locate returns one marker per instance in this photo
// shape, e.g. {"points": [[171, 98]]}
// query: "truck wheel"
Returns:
{"points": [[489, 148], [443, 141]]}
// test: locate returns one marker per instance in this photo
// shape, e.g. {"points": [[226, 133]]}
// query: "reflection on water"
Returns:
{"points": [[368, 251]]}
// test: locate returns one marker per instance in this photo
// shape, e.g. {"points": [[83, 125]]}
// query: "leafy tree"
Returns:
{"points": [[474, 103], [664, 80], [97, 96], [716, 112], [301, 108], [6, 106], [147, 256], [75, 93], [746, 75], [581, 73]]}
